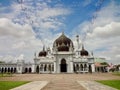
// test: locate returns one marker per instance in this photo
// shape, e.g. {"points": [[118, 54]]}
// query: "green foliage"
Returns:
{"points": [[6, 85], [104, 63], [111, 83]]}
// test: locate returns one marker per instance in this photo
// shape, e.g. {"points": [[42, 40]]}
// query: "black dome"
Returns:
{"points": [[83, 52], [42, 53], [63, 43], [63, 48]]}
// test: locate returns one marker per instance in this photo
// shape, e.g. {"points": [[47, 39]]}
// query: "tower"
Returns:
{"points": [[77, 39]]}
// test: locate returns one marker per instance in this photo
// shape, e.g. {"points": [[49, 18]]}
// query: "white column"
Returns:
{"points": [[83, 67], [93, 67], [79, 67], [54, 67], [47, 67], [51, 67], [71, 66], [43, 67], [39, 68], [75, 67]]}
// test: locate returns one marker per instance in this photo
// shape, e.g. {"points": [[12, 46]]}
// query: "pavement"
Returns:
{"points": [[92, 85], [35, 85], [64, 85], [62, 81]]}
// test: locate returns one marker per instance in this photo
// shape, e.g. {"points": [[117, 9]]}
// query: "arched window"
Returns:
{"points": [[49, 67], [14, 70], [37, 69], [90, 69], [26, 70], [5, 70], [85, 67], [81, 67], [2, 70], [52, 67], [77, 67], [11, 70], [41, 67], [45, 67], [30, 70], [8, 69]]}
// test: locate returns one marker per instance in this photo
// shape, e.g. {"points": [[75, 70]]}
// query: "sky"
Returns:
{"points": [[27, 25]]}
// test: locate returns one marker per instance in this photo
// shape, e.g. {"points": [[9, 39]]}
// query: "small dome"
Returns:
{"points": [[84, 52], [42, 53], [63, 43]]}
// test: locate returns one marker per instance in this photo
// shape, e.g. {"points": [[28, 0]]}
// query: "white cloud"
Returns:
{"points": [[102, 36], [53, 12], [17, 38], [8, 28], [107, 31]]}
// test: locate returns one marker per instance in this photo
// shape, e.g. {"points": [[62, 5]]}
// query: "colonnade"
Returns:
{"points": [[80, 67], [28, 70], [45, 68], [7, 69]]}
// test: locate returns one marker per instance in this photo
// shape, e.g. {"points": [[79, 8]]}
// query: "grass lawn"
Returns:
{"points": [[112, 83], [6, 85]]}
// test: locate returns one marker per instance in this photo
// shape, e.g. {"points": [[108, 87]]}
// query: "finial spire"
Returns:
{"points": [[82, 46], [44, 48], [77, 38], [92, 53]]}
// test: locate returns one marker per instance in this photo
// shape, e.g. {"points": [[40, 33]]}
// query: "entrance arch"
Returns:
{"points": [[63, 65], [90, 69]]}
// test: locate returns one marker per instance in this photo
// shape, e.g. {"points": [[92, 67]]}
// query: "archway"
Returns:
{"points": [[90, 69], [63, 66], [5, 70], [26, 70], [15, 70], [11, 70], [37, 69]]}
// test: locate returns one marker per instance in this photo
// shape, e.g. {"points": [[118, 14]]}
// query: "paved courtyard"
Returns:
{"points": [[62, 81]]}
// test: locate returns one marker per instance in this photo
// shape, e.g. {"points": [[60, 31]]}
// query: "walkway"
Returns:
{"points": [[63, 85], [35, 85], [63, 81], [92, 85]]}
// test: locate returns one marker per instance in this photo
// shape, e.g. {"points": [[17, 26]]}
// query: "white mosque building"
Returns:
{"points": [[63, 58]]}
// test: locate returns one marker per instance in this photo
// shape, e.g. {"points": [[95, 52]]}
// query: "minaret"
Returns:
{"points": [[78, 45], [77, 39]]}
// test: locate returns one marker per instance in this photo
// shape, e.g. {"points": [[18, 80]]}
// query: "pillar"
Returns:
{"points": [[54, 67]]}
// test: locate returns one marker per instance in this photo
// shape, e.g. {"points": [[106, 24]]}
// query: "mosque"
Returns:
{"points": [[63, 58]]}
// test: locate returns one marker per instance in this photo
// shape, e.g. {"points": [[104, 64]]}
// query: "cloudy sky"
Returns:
{"points": [[27, 25]]}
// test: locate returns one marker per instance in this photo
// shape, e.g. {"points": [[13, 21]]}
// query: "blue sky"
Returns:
{"points": [[25, 27]]}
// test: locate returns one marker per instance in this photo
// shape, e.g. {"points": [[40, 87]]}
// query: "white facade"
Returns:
{"points": [[63, 58]]}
